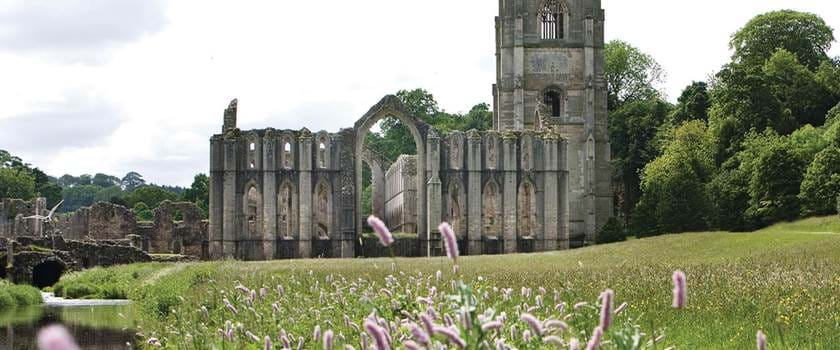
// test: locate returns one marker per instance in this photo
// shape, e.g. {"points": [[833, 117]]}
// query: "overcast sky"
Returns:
{"points": [[140, 85]]}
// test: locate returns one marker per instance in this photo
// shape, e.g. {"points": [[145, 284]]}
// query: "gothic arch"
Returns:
{"points": [[252, 210], [323, 146], [322, 210], [287, 151], [456, 200], [491, 210], [526, 208], [390, 106], [553, 19], [287, 210], [253, 146]]}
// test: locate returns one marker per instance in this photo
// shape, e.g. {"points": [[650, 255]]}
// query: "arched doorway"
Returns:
{"points": [[47, 273], [390, 106]]}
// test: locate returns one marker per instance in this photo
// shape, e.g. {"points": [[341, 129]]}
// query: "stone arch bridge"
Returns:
{"points": [[297, 193]]}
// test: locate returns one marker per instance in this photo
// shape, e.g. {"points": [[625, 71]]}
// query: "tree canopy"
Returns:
{"points": [[806, 35], [631, 74]]}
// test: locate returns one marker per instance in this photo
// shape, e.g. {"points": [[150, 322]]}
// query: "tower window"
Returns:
{"points": [[552, 20], [552, 100]]}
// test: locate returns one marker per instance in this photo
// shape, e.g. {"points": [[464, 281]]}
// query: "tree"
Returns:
{"points": [[132, 181], [804, 34], [631, 74], [673, 185], [821, 185], [150, 195], [199, 193], [797, 89], [142, 212], [693, 104], [103, 180], [633, 129], [78, 196], [774, 186], [85, 179], [107, 194], [613, 231], [480, 118], [16, 184]]}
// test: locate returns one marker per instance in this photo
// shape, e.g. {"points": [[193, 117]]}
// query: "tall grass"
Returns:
{"points": [[12, 296]]}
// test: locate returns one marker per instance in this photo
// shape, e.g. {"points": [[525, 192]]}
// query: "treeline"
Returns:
{"points": [[19, 179], [758, 143]]}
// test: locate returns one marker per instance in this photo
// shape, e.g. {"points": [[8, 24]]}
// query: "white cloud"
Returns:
{"points": [[157, 93]]}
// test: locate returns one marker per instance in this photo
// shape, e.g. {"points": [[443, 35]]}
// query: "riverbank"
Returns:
{"points": [[12, 296], [781, 280]]}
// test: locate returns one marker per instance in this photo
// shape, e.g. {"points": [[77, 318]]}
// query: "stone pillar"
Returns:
{"points": [[305, 194], [269, 193], [519, 75], [509, 188], [551, 202], [217, 175], [434, 198], [564, 193], [377, 188], [590, 221], [40, 209], [230, 209], [473, 210]]}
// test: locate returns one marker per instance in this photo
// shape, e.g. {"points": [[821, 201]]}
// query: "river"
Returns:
{"points": [[96, 324]]}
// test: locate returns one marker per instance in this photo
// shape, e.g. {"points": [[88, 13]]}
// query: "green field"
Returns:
{"points": [[784, 280]]}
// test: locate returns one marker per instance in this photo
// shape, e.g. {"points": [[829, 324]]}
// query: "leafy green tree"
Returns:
{"points": [[693, 104], [68, 180], [480, 117], [142, 212], [631, 74], [104, 181], [85, 180], [613, 231], [132, 181], [673, 185], [797, 88], [821, 185], [78, 196], [774, 186], [633, 130], [15, 183], [199, 193], [108, 193], [804, 34], [729, 200], [150, 195]]}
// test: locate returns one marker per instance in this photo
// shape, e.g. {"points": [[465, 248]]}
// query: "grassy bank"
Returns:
{"points": [[12, 296], [782, 280]]}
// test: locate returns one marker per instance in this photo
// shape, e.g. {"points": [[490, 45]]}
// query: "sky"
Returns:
{"points": [[107, 86]]}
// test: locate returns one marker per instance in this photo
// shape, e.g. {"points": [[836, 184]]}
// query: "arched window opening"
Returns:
{"points": [[286, 214], [252, 146], [322, 155], [253, 198], [454, 209], [552, 100], [552, 20], [527, 211], [287, 155], [491, 219], [323, 210]]}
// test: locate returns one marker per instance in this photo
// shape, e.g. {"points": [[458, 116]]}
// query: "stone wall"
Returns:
{"points": [[102, 220], [12, 212], [401, 195]]}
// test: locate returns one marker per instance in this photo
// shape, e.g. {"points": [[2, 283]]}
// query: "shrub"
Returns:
{"points": [[821, 183], [24, 295], [6, 300], [113, 293], [612, 232], [81, 290]]}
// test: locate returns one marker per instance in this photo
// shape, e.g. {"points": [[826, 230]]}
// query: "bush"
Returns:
{"points": [[612, 232], [81, 290], [25, 295], [114, 293], [6, 300], [821, 183]]}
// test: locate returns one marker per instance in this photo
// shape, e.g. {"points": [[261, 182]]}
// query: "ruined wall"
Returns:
{"points": [[102, 220], [401, 195], [187, 235], [12, 212]]}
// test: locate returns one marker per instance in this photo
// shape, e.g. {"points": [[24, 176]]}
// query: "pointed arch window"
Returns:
{"points": [[553, 101], [552, 17]]}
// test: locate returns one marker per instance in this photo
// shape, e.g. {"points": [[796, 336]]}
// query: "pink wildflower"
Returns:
{"points": [[267, 344], [427, 323], [419, 334], [761, 341], [574, 344], [606, 309], [554, 340], [328, 340], [556, 325], [410, 345], [679, 290], [449, 240], [381, 230], [452, 335], [492, 325], [316, 333], [595, 341], [620, 308], [379, 337], [533, 323]]}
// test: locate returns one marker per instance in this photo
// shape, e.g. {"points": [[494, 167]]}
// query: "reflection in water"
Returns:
{"points": [[101, 327]]}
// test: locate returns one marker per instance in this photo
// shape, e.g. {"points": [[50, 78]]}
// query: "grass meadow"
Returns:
{"points": [[783, 280]]}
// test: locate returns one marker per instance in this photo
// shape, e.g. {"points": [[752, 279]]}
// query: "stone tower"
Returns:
{"points": [[550, 75]]}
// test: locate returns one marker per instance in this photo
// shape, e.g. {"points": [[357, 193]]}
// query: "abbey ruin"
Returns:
{"points": [[538, 180]]}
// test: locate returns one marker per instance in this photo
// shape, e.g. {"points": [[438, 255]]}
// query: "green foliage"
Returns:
{"points": [[15, 183], [107, 193], [613, 231], [81, 291], [804, 34], [693, 104], [797, 89], [633, 129], [105, 181], [199, 193], [142, 212], [821, 185], [79, 196], [674, 198], [6, 300], [13, 295], [631, 74], [774, 186], [132, 181], [150, 195], [729, 200]]}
